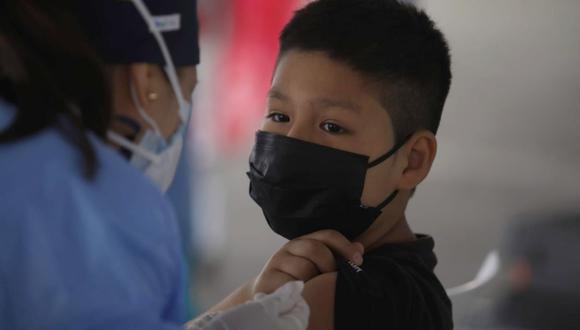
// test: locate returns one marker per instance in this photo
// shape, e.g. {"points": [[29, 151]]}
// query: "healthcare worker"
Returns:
{"points": [[87, 240]]}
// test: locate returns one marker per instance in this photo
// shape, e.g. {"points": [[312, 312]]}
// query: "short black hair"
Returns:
{"points": [[393, 44]]}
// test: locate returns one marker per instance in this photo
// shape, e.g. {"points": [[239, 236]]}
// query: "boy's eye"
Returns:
{"points": [[332, 128], [278, 117]]}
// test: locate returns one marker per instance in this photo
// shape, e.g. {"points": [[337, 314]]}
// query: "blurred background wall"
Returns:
{"points": [[509, 139]]}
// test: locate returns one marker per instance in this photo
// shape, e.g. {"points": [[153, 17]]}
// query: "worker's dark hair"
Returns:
{"points": [[49, 72], [394, 45]]}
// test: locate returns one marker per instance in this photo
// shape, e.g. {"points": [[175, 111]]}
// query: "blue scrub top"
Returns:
{"points": [[79, 254]]}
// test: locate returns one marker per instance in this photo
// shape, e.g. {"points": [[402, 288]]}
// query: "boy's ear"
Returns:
{"points": [[417, 157]]}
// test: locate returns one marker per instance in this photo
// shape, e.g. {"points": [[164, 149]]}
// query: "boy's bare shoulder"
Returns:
{"points": [[319, 293]]}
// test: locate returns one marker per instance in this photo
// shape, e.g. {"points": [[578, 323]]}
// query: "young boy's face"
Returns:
{"points": [[320, 100]]}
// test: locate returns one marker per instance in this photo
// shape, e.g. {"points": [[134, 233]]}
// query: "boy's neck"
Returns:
{"points": [[398, 232]]}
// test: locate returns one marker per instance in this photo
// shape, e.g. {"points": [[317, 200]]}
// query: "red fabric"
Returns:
{"points": [[244, 73]]}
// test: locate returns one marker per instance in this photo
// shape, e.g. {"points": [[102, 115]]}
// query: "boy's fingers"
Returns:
{"points": [[359, 246], [315, 251], [339, 244], [298, 267]]}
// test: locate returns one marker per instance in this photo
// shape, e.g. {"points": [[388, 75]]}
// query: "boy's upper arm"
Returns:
{"points": [[319, 293]]}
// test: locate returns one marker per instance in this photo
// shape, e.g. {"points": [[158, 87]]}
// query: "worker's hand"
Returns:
{"points": [[305, 257], [285, 309]]}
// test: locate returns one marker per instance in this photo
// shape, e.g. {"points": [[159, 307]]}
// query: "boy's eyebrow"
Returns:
{"points": [[344, 104], [274, 94], [321, 102]]}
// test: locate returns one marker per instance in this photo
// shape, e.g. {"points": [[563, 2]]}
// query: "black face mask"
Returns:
{"points": [[304, 187]]}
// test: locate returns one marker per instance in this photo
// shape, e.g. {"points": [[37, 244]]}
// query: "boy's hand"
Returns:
{"points": [[305, 257]]}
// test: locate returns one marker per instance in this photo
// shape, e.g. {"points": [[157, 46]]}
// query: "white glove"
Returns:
{"points": [[284, 309]]}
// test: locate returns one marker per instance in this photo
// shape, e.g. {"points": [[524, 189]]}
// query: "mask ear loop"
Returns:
{"points": [[150, 121], [174, 82], [169, 66], [388, 154], [388, 200], [130, 145], [381, 159], [134, 148]]}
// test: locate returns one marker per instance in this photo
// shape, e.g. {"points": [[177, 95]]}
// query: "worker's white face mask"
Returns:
{"points": [[160, 161], [154, 155]]}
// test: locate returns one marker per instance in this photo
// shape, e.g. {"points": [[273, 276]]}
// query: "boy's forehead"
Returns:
{"points": [[320, 102], [313, 80], [313, 73]]}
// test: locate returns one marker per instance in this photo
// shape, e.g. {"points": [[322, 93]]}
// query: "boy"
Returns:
{"points": [[355, 102]]}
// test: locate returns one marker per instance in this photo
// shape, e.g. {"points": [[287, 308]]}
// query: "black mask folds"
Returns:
{"points": [[304, 187]]}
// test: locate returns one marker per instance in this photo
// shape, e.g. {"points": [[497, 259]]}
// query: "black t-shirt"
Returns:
{"points": [[394, 289]]}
